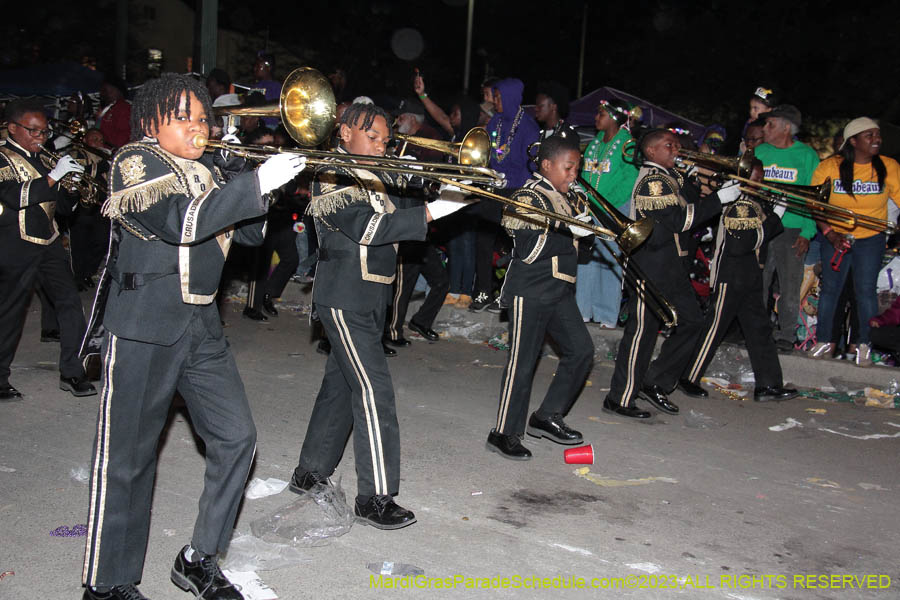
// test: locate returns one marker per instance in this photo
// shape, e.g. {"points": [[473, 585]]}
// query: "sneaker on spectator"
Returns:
{"points": [[481, 302], [494, 307], [863, 356], [465, 301], [822, 350]]}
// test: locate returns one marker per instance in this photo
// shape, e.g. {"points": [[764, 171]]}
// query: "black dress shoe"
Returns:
{"points": [[554, 429], [8, 392], [507, 446], [49, 335], [400, 342], [629, 410], [324, 347], [79, 386], [773, 393], [382, 512], [268, 306], [305, 481], [692, 389], [658, 398], [119, 592], [254, 314], [203, 577], [388, 351], [425, 332]]}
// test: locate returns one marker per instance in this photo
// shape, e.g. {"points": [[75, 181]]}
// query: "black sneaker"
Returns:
{"points": [[495, 307], [382, 512], [481, 302], [78, 386], [255, 314], [119, 592], [203, 578], [50, 335], [306, 480]]}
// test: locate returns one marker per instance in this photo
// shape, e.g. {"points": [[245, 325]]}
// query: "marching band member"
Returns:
{"points": [[540, 291], [674, 204], [174, 221], [359, 217], [30, 194], [745, 228]]}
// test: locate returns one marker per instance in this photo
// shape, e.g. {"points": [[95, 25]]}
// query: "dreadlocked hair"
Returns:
{"points": [[367, 112], [158, 99]]}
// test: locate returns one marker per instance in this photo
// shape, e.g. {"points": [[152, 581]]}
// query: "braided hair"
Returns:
{"points": [[159, 98], [848, 154], [366, 112]]}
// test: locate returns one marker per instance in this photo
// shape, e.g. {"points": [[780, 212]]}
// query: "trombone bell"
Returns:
{"points": [[473, 150], [634, 235]]}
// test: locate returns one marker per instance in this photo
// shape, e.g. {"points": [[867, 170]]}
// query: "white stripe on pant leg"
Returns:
{"points": [[101, 461], [395, 312], [379, 472], [635, 344], [515, 344], [710, 335]]}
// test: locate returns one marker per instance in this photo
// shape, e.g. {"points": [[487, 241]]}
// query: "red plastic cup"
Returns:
{"points": [[582, 455]]}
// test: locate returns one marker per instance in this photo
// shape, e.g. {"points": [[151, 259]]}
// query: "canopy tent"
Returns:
{"points": [[582, 111], [58, 79]]}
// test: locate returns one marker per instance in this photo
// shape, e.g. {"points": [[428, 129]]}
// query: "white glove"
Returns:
{"points": [[441, 208], [412, 158], [66, 165], [580, 232], [278, 170], [231, 138], [729, 192]]}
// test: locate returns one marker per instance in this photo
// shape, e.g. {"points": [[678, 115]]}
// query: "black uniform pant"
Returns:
{"points": [[23, 265], [739, 303], [356, 394], [529, 322], [283, 241], [633, 369], [415, 258], [139, 382], [89, 240]]}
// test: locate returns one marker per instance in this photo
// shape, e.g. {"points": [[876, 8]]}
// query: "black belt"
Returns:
{"points": [[132, 281], [328, 254]]}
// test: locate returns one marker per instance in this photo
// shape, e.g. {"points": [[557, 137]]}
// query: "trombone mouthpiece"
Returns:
{"points": [[200, 141]]}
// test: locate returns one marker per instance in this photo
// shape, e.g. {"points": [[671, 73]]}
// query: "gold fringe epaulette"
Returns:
{"points": [[141, 175], [519, 218], [736, 223], [8, 174], [334, 190], [655, 202], [140, 197]]}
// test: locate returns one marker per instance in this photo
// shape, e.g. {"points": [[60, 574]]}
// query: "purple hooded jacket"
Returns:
{"points": [[516, 166]]}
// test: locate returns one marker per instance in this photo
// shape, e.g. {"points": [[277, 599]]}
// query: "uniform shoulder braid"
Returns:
{"points": [[140, 176], [334, 188], [518, 218], [743, 214], [655, 191]]}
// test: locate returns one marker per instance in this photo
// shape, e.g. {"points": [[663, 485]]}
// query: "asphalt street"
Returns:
{"points": [[729, 499]]}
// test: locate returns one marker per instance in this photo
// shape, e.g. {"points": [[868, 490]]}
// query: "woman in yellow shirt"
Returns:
{"points": [[862, 181]]}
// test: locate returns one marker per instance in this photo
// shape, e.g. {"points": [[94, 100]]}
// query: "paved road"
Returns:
{"points": [[729, 510]]}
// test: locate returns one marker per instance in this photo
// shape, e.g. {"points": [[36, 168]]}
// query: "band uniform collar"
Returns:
{"points": [[21, 149]]}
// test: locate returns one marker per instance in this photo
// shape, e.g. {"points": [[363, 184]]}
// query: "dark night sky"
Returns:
{"points": [[700, 58]]}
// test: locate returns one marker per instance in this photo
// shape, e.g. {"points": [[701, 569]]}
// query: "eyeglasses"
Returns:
{"points": [[35, 131]]}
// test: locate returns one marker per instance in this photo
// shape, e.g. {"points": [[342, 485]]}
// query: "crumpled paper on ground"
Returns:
{"points": [[259, 488]]}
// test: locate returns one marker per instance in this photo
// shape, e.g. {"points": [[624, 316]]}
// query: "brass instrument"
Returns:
{"points": [[76, 129], [90, 189], [307, 109], [812, 201], [474, 149], [741, 165]]}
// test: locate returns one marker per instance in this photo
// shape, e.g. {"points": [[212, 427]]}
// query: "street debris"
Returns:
{"points": [[645, 567], [697, 420], [247, 552], [312, 520], [826, 483], [816, 411], [6, 574], [585, 473], [392, 568], [789, 424], [64, 531], [251, 586], [873, 486], [259, 488], [80, 474]]}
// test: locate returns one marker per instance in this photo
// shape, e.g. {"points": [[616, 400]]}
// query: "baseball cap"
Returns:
{"points": [[766, 95], [858, 125], [411, 105], [788, 112]]}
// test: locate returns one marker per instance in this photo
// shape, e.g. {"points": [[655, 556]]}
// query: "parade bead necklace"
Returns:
{"points": [[502, 151]]}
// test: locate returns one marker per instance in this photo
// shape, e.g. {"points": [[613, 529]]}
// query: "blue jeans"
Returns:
{"points": [[863, 262], [598, 287], [461, 261]]}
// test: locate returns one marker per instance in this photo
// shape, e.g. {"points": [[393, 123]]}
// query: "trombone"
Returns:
{"points": [[307, 110], [474, 149]]}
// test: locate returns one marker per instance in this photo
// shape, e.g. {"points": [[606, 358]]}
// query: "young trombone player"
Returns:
{"points": [[540, 291], [360, 214], [745, 229]]}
